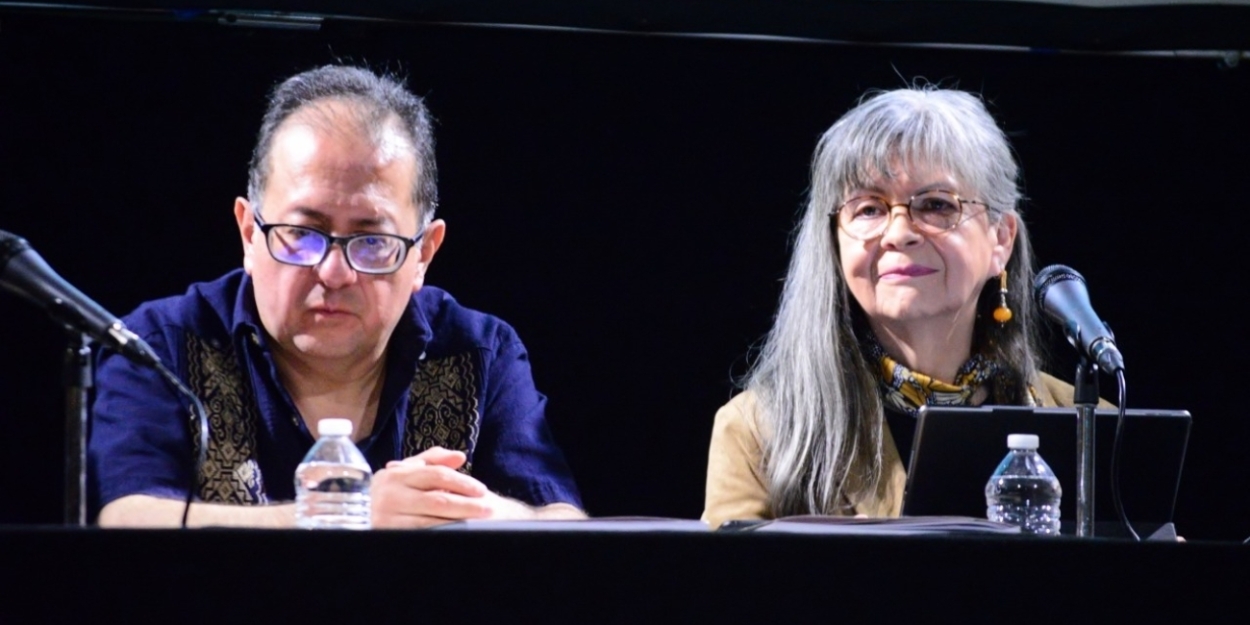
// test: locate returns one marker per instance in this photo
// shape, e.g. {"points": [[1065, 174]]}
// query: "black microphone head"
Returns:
{"points": [[24, 273], [1048, 277], [1061, 295], [10, 245]]}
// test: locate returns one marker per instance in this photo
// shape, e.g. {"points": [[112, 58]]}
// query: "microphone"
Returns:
{"points": [[24, 272], [1060, 292]]}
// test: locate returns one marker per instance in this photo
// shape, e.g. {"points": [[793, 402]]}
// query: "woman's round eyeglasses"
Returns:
{"points": [[866, 217]]}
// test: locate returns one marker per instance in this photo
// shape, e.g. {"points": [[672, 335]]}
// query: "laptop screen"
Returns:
{"points": [[956, 449]]}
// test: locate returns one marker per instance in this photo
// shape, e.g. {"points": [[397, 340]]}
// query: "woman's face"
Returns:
{"points": [[908, 276]]}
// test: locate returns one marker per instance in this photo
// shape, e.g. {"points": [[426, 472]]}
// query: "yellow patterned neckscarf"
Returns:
{"points": [[906, 390]]}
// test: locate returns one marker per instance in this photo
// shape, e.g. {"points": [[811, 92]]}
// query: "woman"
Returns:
{"points": [[909, 285]]}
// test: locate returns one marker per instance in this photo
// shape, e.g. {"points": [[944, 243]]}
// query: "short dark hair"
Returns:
{"points": [[377, 98]]}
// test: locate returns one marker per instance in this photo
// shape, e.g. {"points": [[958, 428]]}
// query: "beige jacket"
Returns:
{"points": [[735, 485]]}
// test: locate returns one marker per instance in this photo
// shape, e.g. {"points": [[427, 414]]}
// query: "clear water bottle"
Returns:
{"points": [[1023, 490], [332, 483]]}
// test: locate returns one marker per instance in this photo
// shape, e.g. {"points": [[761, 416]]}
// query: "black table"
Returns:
{"points": [[218, 576]]}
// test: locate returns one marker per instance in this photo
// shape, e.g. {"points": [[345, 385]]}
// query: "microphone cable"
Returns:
{"points": [[1115, 457], [202, 417]]}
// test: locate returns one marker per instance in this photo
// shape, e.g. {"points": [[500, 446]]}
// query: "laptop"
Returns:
{"points": [[957, 448]]}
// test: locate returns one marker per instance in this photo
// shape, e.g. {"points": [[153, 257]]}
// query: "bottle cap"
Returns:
{"points": [[1014, 441], [341, 427]]}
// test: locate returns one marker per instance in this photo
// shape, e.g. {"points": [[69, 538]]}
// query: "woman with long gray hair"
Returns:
{"points": [[908, 285]]}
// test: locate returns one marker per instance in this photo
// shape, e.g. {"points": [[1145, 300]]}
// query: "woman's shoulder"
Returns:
{"points": [[740, 406], [739, 417], [1053, 392]]}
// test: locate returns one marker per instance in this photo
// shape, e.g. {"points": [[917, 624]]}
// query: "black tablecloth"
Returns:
{"points": [[81, 575]]}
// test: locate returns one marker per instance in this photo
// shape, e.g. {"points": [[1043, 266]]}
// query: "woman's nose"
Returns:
{"points": [[900, 232]]}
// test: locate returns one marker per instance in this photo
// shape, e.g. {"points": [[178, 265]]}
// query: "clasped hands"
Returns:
{"points": [[426, 489]]}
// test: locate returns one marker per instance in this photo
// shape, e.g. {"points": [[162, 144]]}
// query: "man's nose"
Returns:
{"points": [[333, 270]]}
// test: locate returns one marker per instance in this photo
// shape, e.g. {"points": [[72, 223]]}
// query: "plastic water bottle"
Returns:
{"points": [[1023, 490], [332, 483]]}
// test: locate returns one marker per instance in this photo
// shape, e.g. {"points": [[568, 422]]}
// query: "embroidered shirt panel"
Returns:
{"points": [[230, 473], [443, 407]]}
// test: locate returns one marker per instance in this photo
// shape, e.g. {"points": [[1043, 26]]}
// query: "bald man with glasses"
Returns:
{"points": [[329, 317]]}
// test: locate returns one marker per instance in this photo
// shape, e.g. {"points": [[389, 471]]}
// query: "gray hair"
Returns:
{"points": [[821, 411], [378, 102]]}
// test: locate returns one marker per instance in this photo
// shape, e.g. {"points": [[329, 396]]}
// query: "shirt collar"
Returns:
{"points": [[413, 333], [245, 321]]}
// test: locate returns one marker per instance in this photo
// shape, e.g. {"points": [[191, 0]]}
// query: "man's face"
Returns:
{"points": [[327, 173]]}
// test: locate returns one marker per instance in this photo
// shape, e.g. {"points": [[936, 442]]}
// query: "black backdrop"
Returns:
{"points": [[624, 201]]}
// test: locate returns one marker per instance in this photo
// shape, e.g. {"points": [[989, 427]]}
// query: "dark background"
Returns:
{"points": [[625, 202]]}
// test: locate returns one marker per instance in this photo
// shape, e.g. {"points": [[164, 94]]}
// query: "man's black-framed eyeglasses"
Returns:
{"points": [[371, 253]]}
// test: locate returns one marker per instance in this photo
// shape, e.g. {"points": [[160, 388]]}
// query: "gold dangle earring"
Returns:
{"points": [[1002, 314]]}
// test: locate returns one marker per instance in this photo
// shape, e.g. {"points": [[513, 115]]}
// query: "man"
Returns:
{"points": [[329, 317]]}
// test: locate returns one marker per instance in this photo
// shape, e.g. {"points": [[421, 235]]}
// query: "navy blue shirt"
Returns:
{"points": [[455, 378]]}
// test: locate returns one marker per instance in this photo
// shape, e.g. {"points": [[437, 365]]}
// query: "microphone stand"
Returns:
{"points": [[1086, 401], [77, 380]]}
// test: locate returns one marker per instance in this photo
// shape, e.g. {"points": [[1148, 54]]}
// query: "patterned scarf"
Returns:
{"points": [[906, 391]]}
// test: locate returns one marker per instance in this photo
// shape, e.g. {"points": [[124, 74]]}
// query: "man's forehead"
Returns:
{"points": [[300, 147], [368, 137], [318, 169]]}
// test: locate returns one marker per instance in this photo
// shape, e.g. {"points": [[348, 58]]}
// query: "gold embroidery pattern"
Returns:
{"points": [[230, 473], [443, 406]]}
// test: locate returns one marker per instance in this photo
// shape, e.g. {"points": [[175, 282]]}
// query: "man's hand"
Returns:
{"points": [[426, 490]]}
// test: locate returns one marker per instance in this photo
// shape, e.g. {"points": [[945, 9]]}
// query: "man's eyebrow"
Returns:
{"points": [[320, 217], [311, 213]]}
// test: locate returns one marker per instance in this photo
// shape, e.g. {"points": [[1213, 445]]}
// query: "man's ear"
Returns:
{"points": [[426, 248], [1004, 233], [247, 227]]}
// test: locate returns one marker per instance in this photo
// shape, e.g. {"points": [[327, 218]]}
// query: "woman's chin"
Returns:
{"points": [[912, 313]]}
